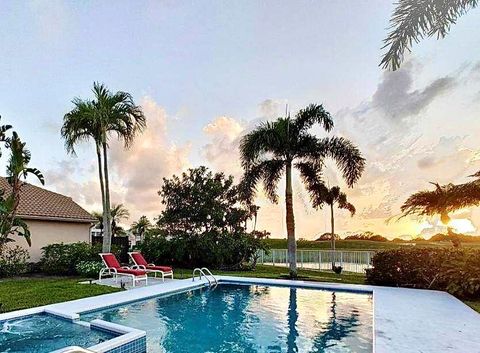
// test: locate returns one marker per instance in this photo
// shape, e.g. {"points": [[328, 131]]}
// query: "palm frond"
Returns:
{"points": [[268, 137], [346, 155], [35, 172], [412, 20], [311, 115], [441, 201], [269, 171], [342, 203], [311, 174]]}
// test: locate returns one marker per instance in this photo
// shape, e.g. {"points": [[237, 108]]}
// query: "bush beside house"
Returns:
{"points": [[13, 261], [71, 259]]}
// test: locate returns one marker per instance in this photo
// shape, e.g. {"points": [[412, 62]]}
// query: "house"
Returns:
{"points": [[51, 217]]}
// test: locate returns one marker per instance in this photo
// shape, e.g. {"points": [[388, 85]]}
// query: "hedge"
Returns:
{"points": [[454, 270], [13, 261], [224, 251], [62, 259]]}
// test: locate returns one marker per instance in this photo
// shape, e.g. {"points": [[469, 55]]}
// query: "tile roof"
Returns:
{"points": [[38, 203]]}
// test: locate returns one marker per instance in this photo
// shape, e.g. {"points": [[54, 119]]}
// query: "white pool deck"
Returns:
{"points": [[405, 320]]}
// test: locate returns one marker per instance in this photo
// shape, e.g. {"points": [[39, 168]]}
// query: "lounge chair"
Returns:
{"points": [[141, 264], [113, 268]]}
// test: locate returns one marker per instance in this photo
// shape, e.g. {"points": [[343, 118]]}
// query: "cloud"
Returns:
{"points": [[397, 99], [153, 156], [222, 151], [136, 175], [69, 178]]}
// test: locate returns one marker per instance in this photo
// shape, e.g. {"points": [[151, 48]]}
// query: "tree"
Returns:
{"points": [[141, 226], [108, 113], [274, 148], [118, 213], [200, 201], [18, 169], [202, 224], [99, 217], [441, 201], [412, 20], [320, 195]]}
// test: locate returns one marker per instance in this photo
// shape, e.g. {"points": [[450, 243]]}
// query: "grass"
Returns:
{"points": [[474, 304], [340, 244], [23, 293], [276, 272], [360, 244]]}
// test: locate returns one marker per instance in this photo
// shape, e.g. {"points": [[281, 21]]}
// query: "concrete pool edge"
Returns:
{"points": [[404, 320]]}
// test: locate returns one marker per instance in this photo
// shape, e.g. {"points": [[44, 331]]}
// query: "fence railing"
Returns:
{"points": [[351, 261]]}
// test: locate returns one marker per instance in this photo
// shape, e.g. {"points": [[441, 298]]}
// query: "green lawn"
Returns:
{"points": [[360, 244], [475, 305], [264, 271], [26, 293]]}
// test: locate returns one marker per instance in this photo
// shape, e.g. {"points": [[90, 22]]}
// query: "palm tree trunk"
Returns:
{"points": [[102, 187], [107, 237], [292, 244], [332, 221]]}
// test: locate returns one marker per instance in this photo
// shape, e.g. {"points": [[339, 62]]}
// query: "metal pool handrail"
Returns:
{"points": [[201, 272]]}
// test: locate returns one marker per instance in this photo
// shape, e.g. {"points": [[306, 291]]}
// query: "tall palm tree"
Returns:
{"points": [[118, 213], [442, 201], [333, 196], [412, 20], [274, 148], [108, 113], [141, 226]]}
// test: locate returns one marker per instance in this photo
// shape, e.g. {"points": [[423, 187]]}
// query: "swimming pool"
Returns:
{"points": [[250, 318], [43, 333]]}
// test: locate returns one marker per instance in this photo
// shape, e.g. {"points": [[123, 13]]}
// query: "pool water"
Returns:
{"points": [[44, 333], [250, 318]]}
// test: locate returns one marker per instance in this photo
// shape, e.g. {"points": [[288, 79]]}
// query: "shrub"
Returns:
{"points": [[454, 270], [13, 261], [89, 269], [61, 259], [220, 251]]}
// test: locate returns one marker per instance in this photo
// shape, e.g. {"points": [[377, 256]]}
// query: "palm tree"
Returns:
{"points": [[332, 197], [99, 218], [274, 148], [141, 226], [17, 169], [97, 119], [118, 213], [412, 20], [442, 201]]}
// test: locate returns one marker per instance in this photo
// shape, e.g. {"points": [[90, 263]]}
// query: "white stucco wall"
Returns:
{"points": [[49, 232]]}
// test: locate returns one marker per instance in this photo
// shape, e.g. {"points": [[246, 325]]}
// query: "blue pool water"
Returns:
{"points": [[44, 333], [250, 318]]}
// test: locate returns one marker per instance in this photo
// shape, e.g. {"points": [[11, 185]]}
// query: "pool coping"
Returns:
{"points": [[404, 320]]}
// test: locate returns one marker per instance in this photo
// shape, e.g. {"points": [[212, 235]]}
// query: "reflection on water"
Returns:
{"points": [[240, 318]]}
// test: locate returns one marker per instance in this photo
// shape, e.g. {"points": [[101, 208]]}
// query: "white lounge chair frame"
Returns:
{"points": [[112, 271], [143, 268]]}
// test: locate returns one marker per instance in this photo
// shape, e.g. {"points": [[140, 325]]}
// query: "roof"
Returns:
{"points": [[42, 204]]}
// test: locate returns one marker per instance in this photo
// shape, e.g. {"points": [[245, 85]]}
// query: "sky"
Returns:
{"points": [[207, 72]]}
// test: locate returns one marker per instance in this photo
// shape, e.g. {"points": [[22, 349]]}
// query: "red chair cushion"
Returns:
{"points": [[139, 259], [160, 268], [131, 272], [111, 260]]}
